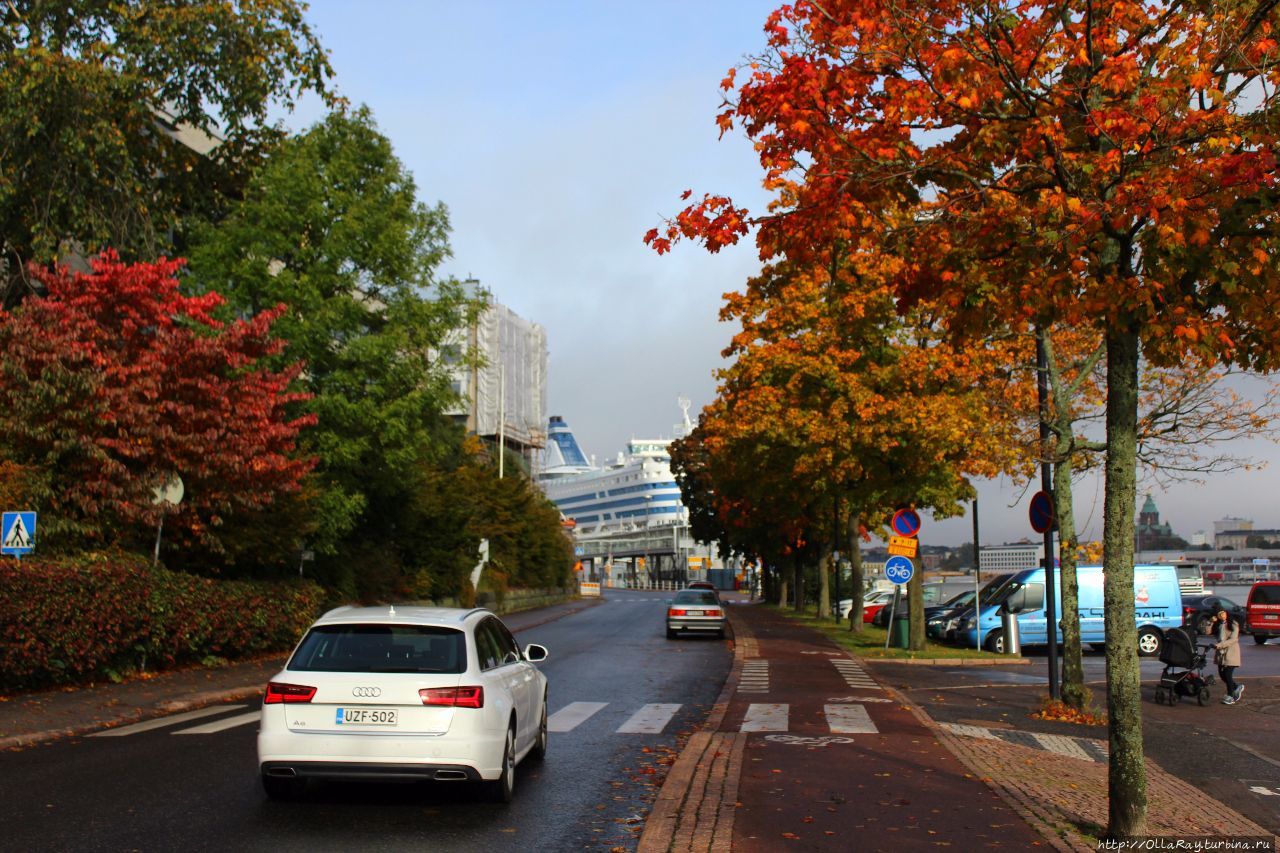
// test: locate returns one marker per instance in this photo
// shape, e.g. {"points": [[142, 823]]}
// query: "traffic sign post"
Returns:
{"points": [[17, 533], [899, 570]]}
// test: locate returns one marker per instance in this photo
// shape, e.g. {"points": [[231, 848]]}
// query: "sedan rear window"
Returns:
{"points": [[696, 596], [381, 648]]}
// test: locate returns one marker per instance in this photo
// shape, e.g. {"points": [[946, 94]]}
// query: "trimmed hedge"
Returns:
{"points": [[65, 622]]}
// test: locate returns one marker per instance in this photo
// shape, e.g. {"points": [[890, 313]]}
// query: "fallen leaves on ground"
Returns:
{"points": [[1059, 711]]}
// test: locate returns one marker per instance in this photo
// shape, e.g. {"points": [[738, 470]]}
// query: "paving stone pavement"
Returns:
{"points": [[1056, 784]]}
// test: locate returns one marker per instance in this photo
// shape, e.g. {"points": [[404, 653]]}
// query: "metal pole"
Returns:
{"points": [[155, 557], [1046, 485], [977, 579]]}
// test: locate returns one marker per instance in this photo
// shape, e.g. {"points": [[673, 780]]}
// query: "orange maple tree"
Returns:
{"points": [[1105, 165]]}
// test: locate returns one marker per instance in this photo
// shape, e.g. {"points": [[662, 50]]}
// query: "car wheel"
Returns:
{"points": [[502, 789], [539, 750], [282, 789], [671, 634], [1260, 638], [1149, 642], [995, 642]]}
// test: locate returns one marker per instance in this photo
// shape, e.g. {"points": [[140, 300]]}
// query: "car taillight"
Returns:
{"points": [[279, 693], [711, 613], [454, 697], [676, 611]]}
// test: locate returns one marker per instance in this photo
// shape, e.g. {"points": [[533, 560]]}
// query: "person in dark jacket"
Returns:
{"points": [[1226, 654]]}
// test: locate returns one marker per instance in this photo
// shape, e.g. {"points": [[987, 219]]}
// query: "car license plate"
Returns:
{"points": [[695, 612], [366, 717], [1272, 615]]}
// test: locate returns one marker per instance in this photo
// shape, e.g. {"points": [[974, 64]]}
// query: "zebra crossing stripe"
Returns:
{"points": [[766, 718], [854, 675], [221, 725], [572, 715], [755, 677], [651, 719], [849, 719], [161, 722]]}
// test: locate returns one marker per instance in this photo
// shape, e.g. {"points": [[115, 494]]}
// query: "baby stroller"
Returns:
{"points": [[1183, 675]]}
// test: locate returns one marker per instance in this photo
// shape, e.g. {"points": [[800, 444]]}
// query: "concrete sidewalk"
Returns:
{"points": [[912, 783], [30, 718]]}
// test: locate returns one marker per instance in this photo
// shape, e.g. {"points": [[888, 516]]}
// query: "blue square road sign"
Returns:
{"points": [[17, 533]]}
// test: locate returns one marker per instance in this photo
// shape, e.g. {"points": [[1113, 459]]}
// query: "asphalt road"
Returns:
{"points": [[172, 788]]}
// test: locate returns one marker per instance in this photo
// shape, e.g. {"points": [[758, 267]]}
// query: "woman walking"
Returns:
{"points": [[1227, 654]]}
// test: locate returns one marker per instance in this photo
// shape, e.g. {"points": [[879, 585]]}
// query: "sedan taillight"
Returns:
{"points": [[711, 613], [279, 693], [676, 611], [455, 697]]}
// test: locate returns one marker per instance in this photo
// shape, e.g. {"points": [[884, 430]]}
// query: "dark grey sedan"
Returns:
{"points": [[695, 611]]}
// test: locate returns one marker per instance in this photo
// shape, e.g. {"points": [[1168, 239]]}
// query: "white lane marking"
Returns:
{"points": [[859, 699], [766, 718], [849, 720], [755, 677], [801, 740], [221, 725], [1062, 745], [1264, 791], [161, 722], [572, 715], [651, 719], [969, 731]]}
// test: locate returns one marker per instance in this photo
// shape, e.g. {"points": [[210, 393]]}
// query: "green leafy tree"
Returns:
{"points": [[93, 97], [332, 227]]}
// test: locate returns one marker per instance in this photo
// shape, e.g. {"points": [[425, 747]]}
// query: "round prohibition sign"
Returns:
{"points": [[906, 522], [1041, 512]]}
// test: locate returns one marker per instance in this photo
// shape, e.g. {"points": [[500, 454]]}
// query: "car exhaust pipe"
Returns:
{"points": [[450, 776]]}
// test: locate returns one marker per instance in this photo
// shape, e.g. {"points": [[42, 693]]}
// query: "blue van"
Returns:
{"points": [[1156, 596]]}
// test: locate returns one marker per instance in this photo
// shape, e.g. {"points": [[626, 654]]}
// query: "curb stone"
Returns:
{"points": [[695, 807]]}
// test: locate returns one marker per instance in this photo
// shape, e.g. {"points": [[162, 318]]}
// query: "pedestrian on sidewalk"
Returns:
{"points": [[1226, 654]]}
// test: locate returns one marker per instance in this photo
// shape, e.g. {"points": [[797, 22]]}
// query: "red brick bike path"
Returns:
{"points": [[812, 788]]}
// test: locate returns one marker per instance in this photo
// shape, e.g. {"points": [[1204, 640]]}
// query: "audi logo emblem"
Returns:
{"points": [[366, 692]]}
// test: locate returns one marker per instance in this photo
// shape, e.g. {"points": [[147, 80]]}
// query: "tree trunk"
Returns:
{"points": [[824, 582], [1074, 693], [783, 601], [1126, 775], [856, 579], [915, 603]]}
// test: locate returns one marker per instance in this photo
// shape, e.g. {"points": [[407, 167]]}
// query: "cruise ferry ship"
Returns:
{"points": [[634, 492]]}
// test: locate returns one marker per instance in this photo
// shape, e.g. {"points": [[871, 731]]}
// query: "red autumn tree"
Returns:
{"points": [[114, 380], [1107, 165]]}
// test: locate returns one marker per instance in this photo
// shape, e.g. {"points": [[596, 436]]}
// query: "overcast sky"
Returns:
{"points": [[557, 133]]}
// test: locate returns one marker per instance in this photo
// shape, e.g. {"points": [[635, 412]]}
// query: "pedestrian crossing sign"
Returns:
{"points": [[17, 533]]}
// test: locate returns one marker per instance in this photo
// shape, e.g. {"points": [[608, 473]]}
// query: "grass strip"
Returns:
{"points": [[869, 643]]}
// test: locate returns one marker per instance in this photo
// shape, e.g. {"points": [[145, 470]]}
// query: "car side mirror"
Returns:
{"points": [[534, 652]]}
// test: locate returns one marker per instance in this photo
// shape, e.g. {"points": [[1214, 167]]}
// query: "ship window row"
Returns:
{"points": [[668, 485], [624, 502]]}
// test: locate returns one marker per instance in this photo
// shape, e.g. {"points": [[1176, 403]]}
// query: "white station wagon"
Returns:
{"points": [[404, 694]]}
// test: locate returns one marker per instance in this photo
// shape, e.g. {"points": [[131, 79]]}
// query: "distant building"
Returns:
{"points": [[1150, 534], [1199, 539], [1010, 557], [1228, 529], [500, 370]]}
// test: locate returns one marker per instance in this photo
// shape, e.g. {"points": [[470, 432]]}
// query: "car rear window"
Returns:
{"points": [[381, 648], [1269, 594], [696, 596]]}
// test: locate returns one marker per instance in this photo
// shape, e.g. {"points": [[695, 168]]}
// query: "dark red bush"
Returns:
{"points": [[70, 621]]}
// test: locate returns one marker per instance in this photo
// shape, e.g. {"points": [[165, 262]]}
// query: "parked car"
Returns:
{"points": [[387, 693], [932, 599], [1262, 611], [697, 611], [1157, 606], [871, 604], [943, 624], [1198, 612]]}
